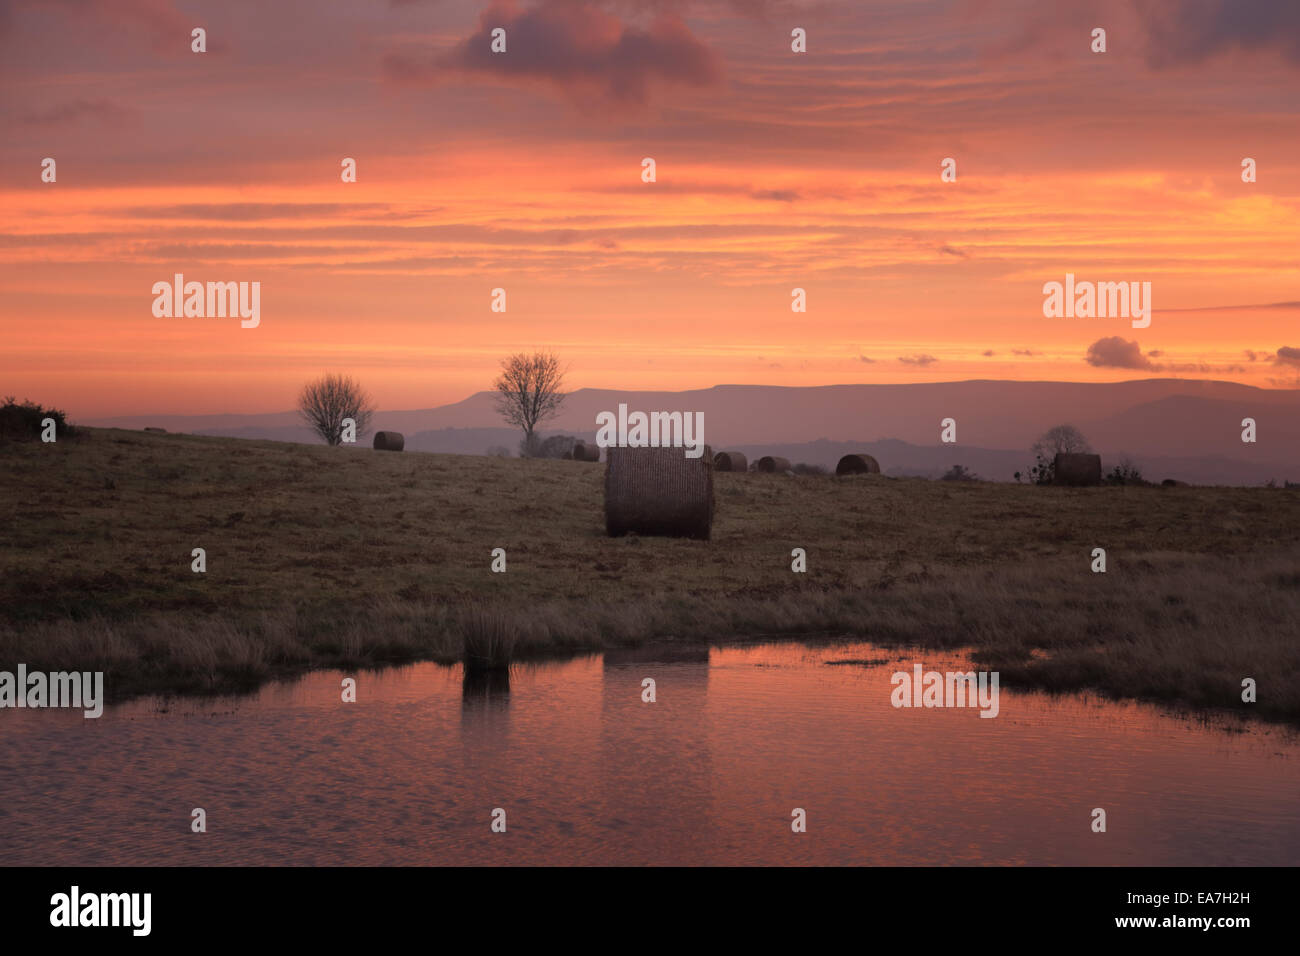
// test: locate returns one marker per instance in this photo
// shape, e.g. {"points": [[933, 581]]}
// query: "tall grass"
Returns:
{"points": [[490, 636]]}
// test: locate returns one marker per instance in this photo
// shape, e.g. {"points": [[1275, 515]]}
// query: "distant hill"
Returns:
{"points": [[901, 459], [1187, 429]]}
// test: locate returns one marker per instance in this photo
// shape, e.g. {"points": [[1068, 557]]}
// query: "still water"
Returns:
{"points": [[587, 773]]}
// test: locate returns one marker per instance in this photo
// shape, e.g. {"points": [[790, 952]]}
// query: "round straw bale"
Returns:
{"points": [[773, 464], [857, 465], [1076, 469], [584, 452], [658, 491], [1174, 483], [389, 441], [730, 461]]}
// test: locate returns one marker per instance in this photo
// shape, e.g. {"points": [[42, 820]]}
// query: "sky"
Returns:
{"points": [[522, 171]]}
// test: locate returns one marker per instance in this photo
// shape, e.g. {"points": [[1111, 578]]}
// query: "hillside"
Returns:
{"points": [[1172, 428], [321, 556]]}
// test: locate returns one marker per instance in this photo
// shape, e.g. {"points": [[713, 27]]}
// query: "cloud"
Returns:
{"points": [[869, 361], [1027, 353], [948, 250], [70, 112], [1251, 355], [988, 353], [167, 27], [779, 195], [917, 359], [1115, 352], [1181, 33], [1287, 355], [251, 211], [577, 48]]}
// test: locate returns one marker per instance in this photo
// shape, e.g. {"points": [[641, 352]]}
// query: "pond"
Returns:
{"points": [[588, 773]]}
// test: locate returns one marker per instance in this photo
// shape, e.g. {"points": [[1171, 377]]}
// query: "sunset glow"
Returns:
{"points": [[775, 170]]}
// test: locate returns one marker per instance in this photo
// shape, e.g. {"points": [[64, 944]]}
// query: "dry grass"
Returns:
{"points": [[490, 635], [1202, 587]]}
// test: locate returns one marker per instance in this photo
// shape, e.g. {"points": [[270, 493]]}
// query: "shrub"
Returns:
{"points": [[1043, 473], [23, 422], [1125, 473]]}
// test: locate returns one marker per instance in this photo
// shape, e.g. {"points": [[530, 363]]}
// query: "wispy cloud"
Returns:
{"points": [[576, 48], [63, 114]]}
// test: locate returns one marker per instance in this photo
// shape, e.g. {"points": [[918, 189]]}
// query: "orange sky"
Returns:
{"points": [[522, 171]]}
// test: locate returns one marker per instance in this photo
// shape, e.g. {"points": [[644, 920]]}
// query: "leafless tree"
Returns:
{"points": [[331, 398], [529, 392], [1063, 439]]}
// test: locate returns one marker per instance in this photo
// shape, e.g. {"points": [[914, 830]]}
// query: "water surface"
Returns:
{"points": [[588, 773]]}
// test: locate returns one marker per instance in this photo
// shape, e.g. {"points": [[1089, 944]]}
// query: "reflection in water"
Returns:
{"points": [[587, 773], [641, 789], [485, 688]]}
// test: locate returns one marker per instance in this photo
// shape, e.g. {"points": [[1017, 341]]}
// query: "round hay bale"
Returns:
{"points": [[389, 441], [770, 463], [584, 452], [1076, 469], [658, 491], [1174, 483], [857, 465], [730, 461]]}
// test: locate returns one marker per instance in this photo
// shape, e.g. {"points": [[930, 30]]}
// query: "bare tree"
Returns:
{"points": [[1063, 439], [529, 392], [331, 398]]}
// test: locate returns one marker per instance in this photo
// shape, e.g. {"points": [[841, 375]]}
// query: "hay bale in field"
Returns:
{"points": [[1174, 483], [584, 452], [158, 431], [770, 463], [389, 441], [857, 465], [567, 456], [1076, 469], [730, 461], [658, 491]]}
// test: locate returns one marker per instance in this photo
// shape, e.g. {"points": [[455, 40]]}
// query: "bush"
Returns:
{"points": [[498, 451], [1041, 473], [556, 446], [959, 473], [804, 469], [23, 422], [1125, 473]]}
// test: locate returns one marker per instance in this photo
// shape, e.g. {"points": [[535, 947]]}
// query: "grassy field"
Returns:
{"points": [[341, 557]]}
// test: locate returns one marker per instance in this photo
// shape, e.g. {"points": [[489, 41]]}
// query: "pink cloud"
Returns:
{"points": [[1115, 352], [576, 48]]}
